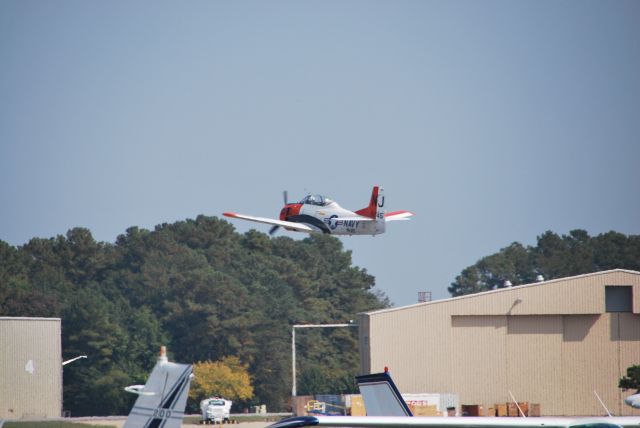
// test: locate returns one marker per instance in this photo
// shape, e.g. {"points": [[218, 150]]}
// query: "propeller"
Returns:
{"points": [[285, 196]]}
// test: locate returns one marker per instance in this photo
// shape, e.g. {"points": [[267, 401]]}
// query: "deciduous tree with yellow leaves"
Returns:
{"points": [[227, 378]]}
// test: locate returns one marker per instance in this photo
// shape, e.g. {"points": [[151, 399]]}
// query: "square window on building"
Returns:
{"points": [[618, 298]]}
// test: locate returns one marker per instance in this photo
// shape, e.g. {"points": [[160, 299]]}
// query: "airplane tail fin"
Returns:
{"points": [[162, 400], [633, 400], [375, 209], [381, 396]]}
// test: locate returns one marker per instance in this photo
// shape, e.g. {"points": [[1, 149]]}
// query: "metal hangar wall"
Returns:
{"points": [[552, 342]]}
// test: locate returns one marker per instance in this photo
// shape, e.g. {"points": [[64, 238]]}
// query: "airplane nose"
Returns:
{"points": [[289, 211]]}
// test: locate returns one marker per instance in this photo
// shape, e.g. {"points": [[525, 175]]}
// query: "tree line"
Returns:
{"points": [[215, 296], [554, 256], [205, 291]]}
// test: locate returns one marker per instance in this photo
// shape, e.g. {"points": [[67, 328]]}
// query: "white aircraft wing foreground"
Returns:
{"points": [[161, 401], [387, 409], [458, 422]]}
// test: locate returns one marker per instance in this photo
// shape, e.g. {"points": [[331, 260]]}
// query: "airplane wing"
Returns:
{"points": [[300, 227], [398, 215], [458, 422]]}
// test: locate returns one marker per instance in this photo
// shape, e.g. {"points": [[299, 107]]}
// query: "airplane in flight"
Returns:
{"points": [[317, 213], [161, 401], [386, 408]]}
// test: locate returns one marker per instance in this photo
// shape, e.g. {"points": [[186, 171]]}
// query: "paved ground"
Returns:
{"points": [[118, 422]]}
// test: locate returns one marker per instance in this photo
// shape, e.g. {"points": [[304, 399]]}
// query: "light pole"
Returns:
{"points": [[64, 363], [293, 345]]}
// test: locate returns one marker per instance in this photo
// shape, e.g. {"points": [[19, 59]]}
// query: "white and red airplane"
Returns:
{"points": [[316, 213]]}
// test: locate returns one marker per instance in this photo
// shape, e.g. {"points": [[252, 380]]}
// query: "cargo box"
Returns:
{"points": [[357, 406], [534, 409], [428, 410], [512, 410], [472, 410]]}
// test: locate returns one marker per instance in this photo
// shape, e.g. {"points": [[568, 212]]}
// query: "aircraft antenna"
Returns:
{"points": [[601, 403], [516, 403]]}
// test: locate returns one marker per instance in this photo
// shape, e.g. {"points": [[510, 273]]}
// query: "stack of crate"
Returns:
{"points": [[511, 410], [534, 409], [425, 410], [357, 406], [501, 409]]}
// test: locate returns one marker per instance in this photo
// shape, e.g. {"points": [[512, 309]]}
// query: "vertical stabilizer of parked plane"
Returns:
{"points": [[161, 401], [381, 396]]}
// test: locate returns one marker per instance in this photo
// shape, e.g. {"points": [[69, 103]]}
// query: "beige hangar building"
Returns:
{"points": [[552, 342], [30, 368]]}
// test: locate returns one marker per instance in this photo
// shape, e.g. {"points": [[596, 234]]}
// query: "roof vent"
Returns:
{"points": [[507, 283], [539, 278], [424, 296]]}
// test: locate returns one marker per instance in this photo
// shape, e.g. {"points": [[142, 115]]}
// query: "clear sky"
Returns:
{"points": [[493, 121]]}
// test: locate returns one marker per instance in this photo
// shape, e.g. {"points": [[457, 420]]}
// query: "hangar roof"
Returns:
{"points": [[29, 319], [581, 294]]}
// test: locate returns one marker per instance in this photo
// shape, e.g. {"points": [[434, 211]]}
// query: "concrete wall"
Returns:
{"points": [[551, 343], [30, 368]]}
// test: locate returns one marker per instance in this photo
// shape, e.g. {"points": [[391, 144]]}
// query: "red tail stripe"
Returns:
{"points": [[371, 210]]}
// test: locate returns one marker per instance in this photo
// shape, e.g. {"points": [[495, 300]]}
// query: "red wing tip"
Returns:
{"points": [[229, 214]]}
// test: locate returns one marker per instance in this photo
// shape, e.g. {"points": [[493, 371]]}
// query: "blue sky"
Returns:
{"points": [[493, 121]]}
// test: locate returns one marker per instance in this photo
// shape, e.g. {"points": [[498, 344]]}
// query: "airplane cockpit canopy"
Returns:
{"points": [[318, 200]]}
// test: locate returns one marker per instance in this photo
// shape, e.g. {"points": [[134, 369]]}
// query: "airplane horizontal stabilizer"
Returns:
{"points": [[398, 215]]}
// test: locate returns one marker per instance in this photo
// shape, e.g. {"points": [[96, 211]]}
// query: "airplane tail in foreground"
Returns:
{"points": [[161, 401], [381, 396], [375, 209], [633, 400]]}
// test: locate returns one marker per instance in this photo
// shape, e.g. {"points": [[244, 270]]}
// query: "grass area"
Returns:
{"points": [[187, 420], [51, 424]]}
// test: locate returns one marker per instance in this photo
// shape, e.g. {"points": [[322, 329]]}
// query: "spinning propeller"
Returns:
{"points": [[285, 196]]}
